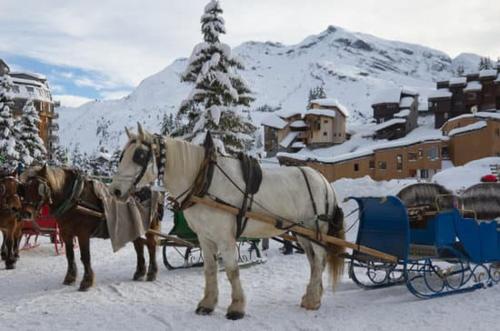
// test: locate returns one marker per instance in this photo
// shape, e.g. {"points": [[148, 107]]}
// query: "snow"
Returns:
{"points": [[274, 121], [390, 123], [440, 93], [290, 137], [329, 102], [215, 112], [458, 81], [402, 113], [406, 102], [298, 144], [298, 124], [28, 73], [488, 73], [459, 178], [471, 127], [391, 95], [321, 112], [473, 86]]}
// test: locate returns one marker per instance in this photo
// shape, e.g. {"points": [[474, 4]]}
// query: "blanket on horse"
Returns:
{"points": [[127, 220]]}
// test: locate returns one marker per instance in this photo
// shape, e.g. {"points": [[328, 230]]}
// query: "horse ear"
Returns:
{"points": [[129, 135], [141, 131]]}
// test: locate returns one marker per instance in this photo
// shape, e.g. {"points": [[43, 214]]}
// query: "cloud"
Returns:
{"points": [[71, 100], [126, 42]]}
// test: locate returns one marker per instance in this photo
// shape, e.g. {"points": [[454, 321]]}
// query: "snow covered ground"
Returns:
{"points": [[33, 298]]}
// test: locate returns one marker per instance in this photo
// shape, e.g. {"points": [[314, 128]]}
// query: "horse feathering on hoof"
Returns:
{"points": [[53, 186], [283, 192], [10, 225]]}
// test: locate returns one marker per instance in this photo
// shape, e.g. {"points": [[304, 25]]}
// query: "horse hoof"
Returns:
{"points": [[10, 266], [151, 278], [138, 278], [84, 288], [234, 315], [203, 311], [310, 306]]}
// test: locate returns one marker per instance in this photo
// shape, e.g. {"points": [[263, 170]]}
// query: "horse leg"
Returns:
{"points": [[72, 271], [209, 301], [10, 259], [316, 255], [3, 249], [236, 309], [153, 267], [17, 237], [140, 270], [88, 276]]}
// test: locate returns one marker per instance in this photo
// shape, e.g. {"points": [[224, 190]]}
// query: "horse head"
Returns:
{"points": [[137, 165], [35, 191]]}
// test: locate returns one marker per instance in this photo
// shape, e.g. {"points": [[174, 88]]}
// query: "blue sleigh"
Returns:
{"points": [[442, 253]]}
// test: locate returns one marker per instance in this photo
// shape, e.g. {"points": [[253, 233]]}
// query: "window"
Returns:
{"points": [[372, 164], [412, 156], [325, 133], [15, 88], [420, 153], [356, 167], [317, 125], [399, 162], [424, 173], [444, 152], [497, 131], [382, 165], [325, 121], [432, 153], [445, 116], [30, 89]]}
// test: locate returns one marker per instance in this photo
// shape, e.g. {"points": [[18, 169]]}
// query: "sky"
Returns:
{"points": [[95, 49]]}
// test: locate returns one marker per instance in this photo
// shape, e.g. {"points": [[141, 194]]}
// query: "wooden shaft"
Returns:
{"points": [[171, 238], [89, 212], [298, 229]]}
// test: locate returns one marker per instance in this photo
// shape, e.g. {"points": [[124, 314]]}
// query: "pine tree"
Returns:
{"points": [[219, 91], [485, 63], [317, 92], [30, 134], [460, 70], [60, 156], [167, 124], [9, 155]]}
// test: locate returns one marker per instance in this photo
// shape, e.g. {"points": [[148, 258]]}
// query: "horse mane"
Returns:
{"points": [[421, 194], [184, 155], [56, 176], [483, 199]]}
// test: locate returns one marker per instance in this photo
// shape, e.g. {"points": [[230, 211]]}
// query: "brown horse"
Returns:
{"points": [[55, 187], [10, 225]]}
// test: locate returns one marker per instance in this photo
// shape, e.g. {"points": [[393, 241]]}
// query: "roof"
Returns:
{"points": [[321, 112], [482, 115], [274, 121], [402, 113], [23, 74], [468, 128], [458, 81], [364, 152], [331, 103], [473, 86], [488, 73], [406, 102], [392, 95], [409, 91], [390, 123], [298, 144], [290, 137], [288, 114], [299, 124], [441, 93]]}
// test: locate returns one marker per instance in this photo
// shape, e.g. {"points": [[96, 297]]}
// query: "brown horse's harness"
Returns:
{"points": [[6, 194]]}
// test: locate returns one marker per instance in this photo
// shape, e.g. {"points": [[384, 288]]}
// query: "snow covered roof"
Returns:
{"points": [[458, 81], [482, 115], [364, 152], [471, 127], [331, 103], [298, 124], [409, 91], [274, 121], [488, 73], [440, 93], [288, 113], [402, 113], [298, 144], [290, 137], [406, 102], [29, 74], [390, 123], [473, 86], [392, 95], [321, 112]]}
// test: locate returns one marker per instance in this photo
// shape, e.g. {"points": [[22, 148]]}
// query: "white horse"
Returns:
{"points": [[283, 192]]}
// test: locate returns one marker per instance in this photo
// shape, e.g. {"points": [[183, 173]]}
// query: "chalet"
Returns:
{"points": [[463, 95], [31, 86], [419, 158], [322, 124], [396, 112]]}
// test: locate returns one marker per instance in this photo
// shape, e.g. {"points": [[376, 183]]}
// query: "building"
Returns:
{"points": [[464, 95], [396, 112], [31, 86], [322, 124], [419, 158]]}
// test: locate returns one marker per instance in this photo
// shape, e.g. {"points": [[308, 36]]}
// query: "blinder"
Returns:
{"points": [[141, 157]]}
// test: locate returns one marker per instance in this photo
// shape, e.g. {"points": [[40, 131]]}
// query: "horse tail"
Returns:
{"points": [[335, 259]]}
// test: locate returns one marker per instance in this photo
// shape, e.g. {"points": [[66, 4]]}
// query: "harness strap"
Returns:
{"points": [[76, 191]]}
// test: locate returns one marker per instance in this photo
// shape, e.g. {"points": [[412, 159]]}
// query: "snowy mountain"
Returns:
{"points": [[352, 67]]}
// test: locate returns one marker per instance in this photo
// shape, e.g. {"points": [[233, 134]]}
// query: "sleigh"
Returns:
{"points": [[44, 225]]}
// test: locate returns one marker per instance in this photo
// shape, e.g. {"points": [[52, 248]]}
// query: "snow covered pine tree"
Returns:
{"points": [[8, 152], [30, 135], [219, 92]]}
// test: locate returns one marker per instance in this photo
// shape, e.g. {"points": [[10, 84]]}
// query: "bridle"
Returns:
{"points": [[43, 190], [143, 158]]}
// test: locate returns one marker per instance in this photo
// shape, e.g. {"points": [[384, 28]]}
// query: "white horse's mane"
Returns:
{"points": [[183, 157]]}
